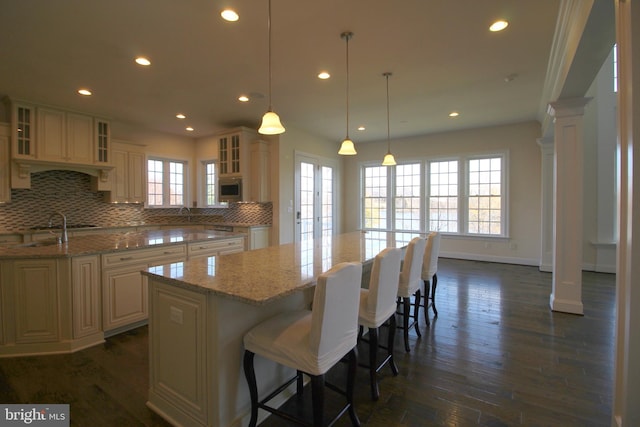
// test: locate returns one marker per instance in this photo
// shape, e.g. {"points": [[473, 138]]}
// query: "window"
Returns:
{"points": [[210, 192], [407, 198], [375, 197], [481, 210], [392, 204], [443, 196], [166, 183], [484, 211], [464, 195]]}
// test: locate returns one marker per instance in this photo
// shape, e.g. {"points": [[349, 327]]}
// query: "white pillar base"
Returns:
{"points": [[565, 306]]}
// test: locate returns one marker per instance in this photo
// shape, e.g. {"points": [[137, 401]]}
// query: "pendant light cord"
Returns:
{"points": [[388, 131], [269, 30], [347, 36]]}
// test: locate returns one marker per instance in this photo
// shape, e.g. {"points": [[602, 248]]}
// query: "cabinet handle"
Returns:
{"points": [[168, 252], [127, 258]]}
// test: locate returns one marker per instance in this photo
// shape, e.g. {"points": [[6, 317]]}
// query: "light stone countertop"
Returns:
{"points": [[261, 276], [110, 242]]}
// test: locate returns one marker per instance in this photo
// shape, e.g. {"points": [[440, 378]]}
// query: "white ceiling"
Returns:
{"points": [[441, 54]]}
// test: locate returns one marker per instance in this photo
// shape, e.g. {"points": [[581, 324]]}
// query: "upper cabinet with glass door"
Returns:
{"points": [[233, 152], [50, 134]]}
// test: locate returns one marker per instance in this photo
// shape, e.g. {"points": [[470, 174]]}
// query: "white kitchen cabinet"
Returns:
{"points": [[35, 301], [80, 138], [128, 177], [257, 236], [215, 247], [260, 176], [125, 290], [85, 282], [51, 135], [23, 125], [102, 140], [233, 152], [5, 162]]}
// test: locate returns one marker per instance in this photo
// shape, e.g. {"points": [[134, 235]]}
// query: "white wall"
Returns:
{"points": [[519, 140], [600, 190]]}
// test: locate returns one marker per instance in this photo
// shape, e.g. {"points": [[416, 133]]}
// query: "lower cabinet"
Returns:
{"points": [[36, 301], [215, 247], [257, 237], [85, 292], [124, 297], [125, 290], [49, 305]]}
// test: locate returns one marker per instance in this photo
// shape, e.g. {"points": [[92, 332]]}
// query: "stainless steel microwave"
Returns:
{"points": [[230, 189]]}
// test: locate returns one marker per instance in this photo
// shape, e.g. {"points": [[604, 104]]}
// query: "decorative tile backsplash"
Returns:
{"points": [[70, 193]]}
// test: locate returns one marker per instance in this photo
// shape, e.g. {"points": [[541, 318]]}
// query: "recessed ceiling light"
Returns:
{"points": [[141, 60], [361, 127], [454, 114], [181, 116], [243, 98], [229, 15], [189, 128], [324, 75], [498, 25], [85, 92]]}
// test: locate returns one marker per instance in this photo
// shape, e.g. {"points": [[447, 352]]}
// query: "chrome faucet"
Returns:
{"points": [[63, 235], [182, 209]]}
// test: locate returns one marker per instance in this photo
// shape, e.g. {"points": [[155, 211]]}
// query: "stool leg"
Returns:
{"points": [[434, 283], [250, 374], [391, 340], [406, 304], [416, 309], [317, 396], [426, 303], [351, 379], [373, 362]]}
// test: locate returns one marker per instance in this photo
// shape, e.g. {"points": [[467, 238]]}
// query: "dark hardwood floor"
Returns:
{"points": [[495, 356]]}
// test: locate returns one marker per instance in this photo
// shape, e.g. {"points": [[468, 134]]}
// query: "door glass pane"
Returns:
{"points": [[306, 200]]}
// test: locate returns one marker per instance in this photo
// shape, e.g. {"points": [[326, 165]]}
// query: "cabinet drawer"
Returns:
{"points": [[215, 246], [128, 257]]}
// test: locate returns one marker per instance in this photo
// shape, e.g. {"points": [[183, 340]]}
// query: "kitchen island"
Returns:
{"points": [[62, 297], [204, 307]]}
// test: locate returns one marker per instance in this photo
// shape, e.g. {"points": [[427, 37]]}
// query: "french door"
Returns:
{"points": [[314, 198]]}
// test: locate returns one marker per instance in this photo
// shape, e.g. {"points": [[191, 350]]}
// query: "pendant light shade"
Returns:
{"points": [[347, 148], [388, 160], [270, 121], [271, 124]]}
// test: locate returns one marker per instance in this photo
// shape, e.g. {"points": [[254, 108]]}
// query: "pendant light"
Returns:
{"points": [[270, 121], [347, 148], [389, 160]]}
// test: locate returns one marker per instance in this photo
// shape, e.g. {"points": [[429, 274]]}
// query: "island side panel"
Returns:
{"points": [[196, 350]]}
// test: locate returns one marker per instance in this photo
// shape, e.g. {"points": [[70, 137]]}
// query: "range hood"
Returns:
{"points": [[21, 170]]}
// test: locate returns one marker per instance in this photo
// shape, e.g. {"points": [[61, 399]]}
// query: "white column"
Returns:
{"points": [[546, 204], [566, 295]]}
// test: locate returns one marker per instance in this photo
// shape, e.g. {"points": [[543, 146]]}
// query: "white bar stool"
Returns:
{"points": [[311, 342], [377, 305], [430, 274], [410, 284]]}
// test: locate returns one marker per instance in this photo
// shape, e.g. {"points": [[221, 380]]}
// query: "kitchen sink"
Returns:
{"points": [[38, 244], [58, 227]]}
